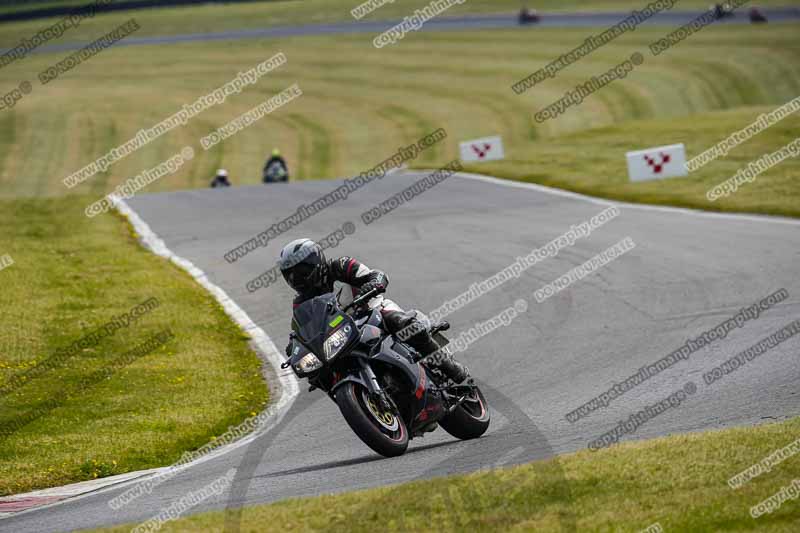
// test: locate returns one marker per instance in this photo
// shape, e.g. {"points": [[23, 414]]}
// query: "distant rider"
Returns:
{"points": [[275, 169], [221, 179], [307, 271]]}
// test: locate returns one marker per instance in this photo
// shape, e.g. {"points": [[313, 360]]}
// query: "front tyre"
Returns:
{"points": [[469, 420], [382, 431]]}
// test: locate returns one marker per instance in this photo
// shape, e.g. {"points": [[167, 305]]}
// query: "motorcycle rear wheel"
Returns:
{"points": [[384, 432], [469, 420]]}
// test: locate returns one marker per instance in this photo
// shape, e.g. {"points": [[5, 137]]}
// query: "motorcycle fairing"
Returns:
{"points": [[426, 403]]}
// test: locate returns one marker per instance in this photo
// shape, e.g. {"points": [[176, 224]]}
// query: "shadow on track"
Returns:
{"points": [[351, 462], [519, 439]]}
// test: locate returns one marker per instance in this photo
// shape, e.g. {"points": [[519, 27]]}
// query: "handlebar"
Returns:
{"points": [[361, 299]]}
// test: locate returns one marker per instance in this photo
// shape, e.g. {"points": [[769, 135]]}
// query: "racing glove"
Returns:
{"points": [[369, 286]]}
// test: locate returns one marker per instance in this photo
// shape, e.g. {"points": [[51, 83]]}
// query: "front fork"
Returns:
{"points": [[376, 391], [367, 378]]}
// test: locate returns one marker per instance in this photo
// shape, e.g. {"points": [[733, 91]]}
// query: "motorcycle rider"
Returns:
{"points": [[721, 11], [275, 160], [221, 179], [305, 268]]}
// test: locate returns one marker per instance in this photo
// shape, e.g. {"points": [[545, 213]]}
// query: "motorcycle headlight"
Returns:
{"points": [[309, 363], [335, 342]]}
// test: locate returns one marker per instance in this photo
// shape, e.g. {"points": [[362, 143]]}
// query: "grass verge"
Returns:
{"points": [[600, 167], [679, 482], [84, 413], [359, 104]]}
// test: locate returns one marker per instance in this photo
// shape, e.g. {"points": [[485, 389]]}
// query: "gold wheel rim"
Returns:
{"points": [[385, 419]]}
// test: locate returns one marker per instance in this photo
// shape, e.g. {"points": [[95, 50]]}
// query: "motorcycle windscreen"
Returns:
{"points": [[311, 317], [314, 319]]}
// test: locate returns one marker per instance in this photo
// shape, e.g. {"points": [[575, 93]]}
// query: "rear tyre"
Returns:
{"points": [[469, 420], [382, 431]]}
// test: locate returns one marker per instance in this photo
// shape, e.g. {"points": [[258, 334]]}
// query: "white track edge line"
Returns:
{"points": [[627, 205], [287, 380], [289, 385]]}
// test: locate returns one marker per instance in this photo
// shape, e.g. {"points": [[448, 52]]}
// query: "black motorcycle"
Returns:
{"points": [[382, 386], [528, 16], [275, 173], [722, 11]]}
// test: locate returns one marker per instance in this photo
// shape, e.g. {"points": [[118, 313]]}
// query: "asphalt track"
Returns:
{"points": [[444, 23], [689, 272]]}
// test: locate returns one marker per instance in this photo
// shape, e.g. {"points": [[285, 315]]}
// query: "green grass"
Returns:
{"points": [[360, 104], [601, 168], [679, 482], [71, 275], [222, 17]]}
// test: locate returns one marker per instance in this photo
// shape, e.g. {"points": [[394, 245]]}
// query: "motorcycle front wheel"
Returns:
{"points": [[384, 432]]}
